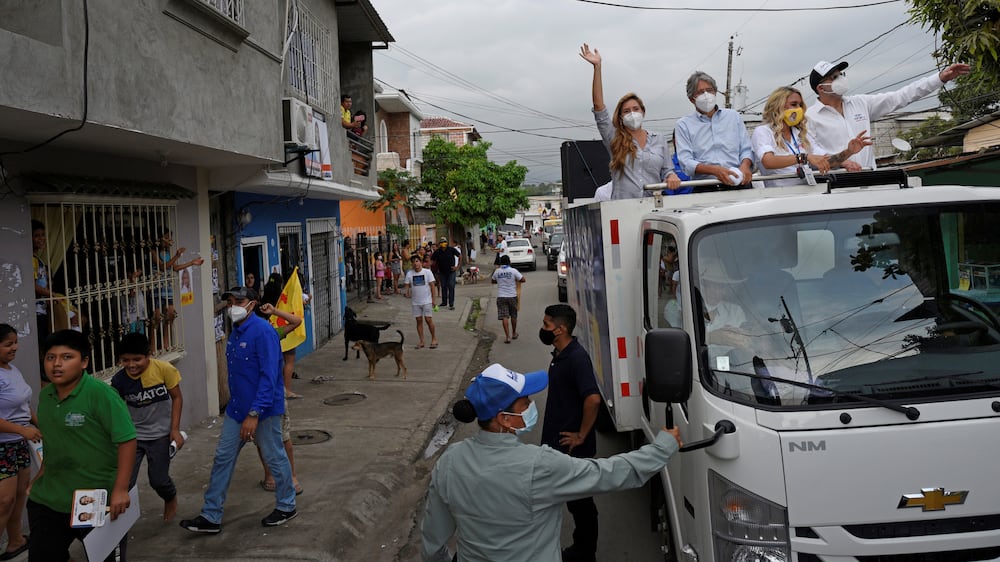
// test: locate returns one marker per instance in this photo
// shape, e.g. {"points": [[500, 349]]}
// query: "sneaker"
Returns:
{"points": [[278, 517], [201, 525], [451, 307]]}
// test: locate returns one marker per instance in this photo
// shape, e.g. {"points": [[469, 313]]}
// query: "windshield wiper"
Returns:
{"points": [[910, 412]]}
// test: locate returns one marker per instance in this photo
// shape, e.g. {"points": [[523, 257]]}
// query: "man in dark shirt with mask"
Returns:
{"points": [[570, 412], [446, 259]]}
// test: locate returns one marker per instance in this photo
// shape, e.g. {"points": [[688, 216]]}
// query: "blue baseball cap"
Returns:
{"points": [[497, 387]]}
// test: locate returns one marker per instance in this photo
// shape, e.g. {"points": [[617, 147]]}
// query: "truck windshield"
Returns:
{"points": [[891, 303]]}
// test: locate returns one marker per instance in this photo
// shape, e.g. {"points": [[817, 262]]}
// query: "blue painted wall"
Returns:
{"points": [[267, 214]]}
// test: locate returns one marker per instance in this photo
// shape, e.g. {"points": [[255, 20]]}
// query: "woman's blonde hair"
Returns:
{"points": [[621, 145], [774, 111]]}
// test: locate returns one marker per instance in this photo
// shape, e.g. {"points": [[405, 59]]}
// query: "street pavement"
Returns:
{"points": [[377, 430]]}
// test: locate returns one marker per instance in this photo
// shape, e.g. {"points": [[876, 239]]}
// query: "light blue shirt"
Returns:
{"points": [[505, 498], [651, 164], [721, 140]]}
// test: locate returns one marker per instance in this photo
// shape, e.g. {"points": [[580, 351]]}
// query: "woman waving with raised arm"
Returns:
{"points": [[638, 156]]}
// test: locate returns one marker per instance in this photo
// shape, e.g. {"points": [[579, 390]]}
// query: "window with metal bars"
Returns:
{"points": [[108, 269], [290, 249], [232, 9], [310, 59]]}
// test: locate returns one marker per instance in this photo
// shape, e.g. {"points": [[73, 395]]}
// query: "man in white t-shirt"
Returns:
{"points": [[419, 285], [501, 248], [506, 279]]}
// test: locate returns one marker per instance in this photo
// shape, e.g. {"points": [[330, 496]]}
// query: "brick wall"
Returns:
{"points": [[398, 130]]}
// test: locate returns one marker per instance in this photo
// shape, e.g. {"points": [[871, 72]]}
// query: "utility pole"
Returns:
{"points": [[729, 73]]}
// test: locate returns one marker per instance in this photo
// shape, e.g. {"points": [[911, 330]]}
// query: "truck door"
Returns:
{"points": [[662, 280]]}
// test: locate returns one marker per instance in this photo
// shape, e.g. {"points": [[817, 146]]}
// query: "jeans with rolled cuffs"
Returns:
{"points": [[268, 439]]}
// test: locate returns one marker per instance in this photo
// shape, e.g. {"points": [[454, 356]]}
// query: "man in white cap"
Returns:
{"points": [[839, 123], [503, 498]]}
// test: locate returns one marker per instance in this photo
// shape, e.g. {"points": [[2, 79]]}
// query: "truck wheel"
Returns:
{"points": [[563, 297]]}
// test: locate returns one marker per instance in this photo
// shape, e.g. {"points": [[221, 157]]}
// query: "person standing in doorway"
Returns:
{"points": [[570, 412], [256, 390], [506, 278]]}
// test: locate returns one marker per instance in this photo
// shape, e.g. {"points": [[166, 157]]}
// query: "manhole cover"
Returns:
{"points": [[346, 398], [309, 436]]}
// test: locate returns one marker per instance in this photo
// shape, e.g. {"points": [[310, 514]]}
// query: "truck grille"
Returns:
{"points": [[950, 526]]}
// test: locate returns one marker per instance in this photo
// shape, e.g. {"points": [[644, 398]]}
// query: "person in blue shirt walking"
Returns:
{"points": [[503, 498], [713, 142], [256, 402]]}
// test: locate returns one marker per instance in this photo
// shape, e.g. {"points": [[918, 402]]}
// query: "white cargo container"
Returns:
{"points": [[843, 348]]}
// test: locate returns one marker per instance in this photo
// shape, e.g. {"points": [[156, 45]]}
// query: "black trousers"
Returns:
{"points": [[157, 453], [51, 534], [584, 512]]}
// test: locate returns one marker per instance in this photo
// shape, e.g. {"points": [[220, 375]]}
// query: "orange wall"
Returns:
{"points": [[352, 214]]}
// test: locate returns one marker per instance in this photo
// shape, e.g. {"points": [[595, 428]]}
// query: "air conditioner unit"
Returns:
{"points": [[299, 130]]}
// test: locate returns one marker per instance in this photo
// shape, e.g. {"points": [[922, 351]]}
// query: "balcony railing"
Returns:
{"points": [[231, 9], [362, 150]]}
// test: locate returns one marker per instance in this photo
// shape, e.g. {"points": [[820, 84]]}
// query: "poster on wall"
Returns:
{"points": [[187, 288], [220, 328], [318, 164]]}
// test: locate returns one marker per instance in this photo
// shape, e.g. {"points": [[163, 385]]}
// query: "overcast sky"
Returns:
{"points": [[514, 64]]}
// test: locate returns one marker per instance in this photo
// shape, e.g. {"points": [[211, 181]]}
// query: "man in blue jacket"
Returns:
{"points": [[256, 402]]}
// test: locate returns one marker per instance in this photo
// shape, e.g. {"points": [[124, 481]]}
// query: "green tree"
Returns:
{"points": [[467, 188], [930, 127], [970, 32], [397, 189]]}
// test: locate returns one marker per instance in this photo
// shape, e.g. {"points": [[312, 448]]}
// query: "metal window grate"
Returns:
{"points": [[310, 59], [232, 9], [104, 264]]}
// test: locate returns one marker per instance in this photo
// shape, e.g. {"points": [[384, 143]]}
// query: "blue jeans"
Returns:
{"points": [[447, 279], [268, 438]]}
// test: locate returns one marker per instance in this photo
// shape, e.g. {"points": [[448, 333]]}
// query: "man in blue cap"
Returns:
{"points": [[504, 498]]}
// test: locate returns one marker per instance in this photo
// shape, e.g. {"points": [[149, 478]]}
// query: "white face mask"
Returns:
{"points": [[633, 120], [238, 313], [705, 102], [839, 86], [530, 417]]}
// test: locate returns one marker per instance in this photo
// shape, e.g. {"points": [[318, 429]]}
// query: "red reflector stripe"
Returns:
{"points": [[625, 389], [622, 349], [614, 231]]}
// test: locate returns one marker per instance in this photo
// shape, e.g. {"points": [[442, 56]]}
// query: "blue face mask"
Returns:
{"points": [[530, 417]]}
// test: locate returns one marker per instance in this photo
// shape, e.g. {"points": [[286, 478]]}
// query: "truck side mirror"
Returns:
{"points": [[668, 365]]}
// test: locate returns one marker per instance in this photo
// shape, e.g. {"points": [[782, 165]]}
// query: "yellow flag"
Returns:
{"points": [[291, 301]]}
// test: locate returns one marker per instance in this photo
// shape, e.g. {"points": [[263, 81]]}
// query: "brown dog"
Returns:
{"points": [[376, 351]]}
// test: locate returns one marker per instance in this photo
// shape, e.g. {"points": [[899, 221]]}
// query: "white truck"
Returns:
{"points": [[832, 358]]}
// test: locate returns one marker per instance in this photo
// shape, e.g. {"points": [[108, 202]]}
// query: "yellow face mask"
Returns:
{"points": [[793, 116]]}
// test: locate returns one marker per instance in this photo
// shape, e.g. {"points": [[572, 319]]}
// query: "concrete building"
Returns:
{"points": [[120, 123]]}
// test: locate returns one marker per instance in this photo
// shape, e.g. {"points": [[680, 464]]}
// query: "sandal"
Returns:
{"points": [[420, 346], [293, 396], [269, 486], [11, 554], [434, 346]]}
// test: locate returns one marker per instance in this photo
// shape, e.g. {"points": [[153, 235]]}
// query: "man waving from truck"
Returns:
{"points": [[570, 413]]}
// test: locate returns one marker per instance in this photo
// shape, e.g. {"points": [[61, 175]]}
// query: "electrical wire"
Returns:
{"points": [[689, 9]]}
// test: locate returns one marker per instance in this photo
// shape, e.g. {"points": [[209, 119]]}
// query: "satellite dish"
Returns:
{"points": [[901, 145]]}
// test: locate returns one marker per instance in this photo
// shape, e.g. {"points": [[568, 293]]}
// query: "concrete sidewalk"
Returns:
{"points": [[356, 441]]}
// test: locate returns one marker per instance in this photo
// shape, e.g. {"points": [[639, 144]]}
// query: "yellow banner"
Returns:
{"points": [[291, 301]]}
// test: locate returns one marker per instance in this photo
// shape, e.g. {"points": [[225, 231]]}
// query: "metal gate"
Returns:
{"points": [[325, 259]]}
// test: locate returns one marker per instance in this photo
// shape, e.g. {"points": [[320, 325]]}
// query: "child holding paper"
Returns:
{"points": [[89, 444]]}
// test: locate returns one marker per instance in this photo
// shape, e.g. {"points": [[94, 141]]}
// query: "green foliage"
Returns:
{"points": [[397, 189], [467, 188], [970, 32], [397, 231], [930, 127]]}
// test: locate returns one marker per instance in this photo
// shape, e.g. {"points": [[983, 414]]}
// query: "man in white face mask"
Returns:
{"points": [[713, 142], [256, 402], [839, 119]]}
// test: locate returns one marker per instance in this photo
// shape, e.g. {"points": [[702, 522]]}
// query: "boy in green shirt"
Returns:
{"points": [[89, 443]]}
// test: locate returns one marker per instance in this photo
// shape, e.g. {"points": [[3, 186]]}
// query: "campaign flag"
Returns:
{"points": [[291, 301]]}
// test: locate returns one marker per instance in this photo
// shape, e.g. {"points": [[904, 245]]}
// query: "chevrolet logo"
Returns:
{"points": [[932, 499]]}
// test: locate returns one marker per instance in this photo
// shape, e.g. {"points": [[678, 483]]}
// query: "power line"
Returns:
{"points": [[688, 9]]}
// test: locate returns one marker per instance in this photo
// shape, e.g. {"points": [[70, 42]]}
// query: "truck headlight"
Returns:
{"points": [[745, 526]]}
